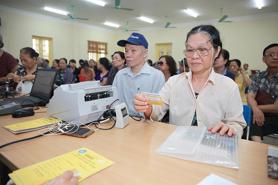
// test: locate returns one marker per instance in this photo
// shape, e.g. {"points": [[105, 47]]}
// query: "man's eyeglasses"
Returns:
{"points": [[272, 55], [202, 52]]}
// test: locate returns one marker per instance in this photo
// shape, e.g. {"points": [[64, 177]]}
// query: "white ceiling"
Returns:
{"points": [[162, 11]]}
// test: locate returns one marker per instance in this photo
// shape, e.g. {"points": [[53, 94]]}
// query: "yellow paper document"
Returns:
{"points": [[31, 125], [84, 162]]}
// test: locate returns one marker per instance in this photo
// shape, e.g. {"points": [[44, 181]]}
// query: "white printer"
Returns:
{"points": [[83, 102]]}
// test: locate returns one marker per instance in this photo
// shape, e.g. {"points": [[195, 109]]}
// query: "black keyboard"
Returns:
{"points": [[9, 108]]}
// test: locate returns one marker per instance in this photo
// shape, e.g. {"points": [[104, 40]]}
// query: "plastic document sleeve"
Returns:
{"points": [[197, 144]]}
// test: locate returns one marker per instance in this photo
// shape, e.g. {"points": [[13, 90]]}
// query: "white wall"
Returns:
{"points": [[69, 38], [245, 39]]}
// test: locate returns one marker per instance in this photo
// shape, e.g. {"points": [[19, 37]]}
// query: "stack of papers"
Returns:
{"points": [[31, 125], [84, 162]]}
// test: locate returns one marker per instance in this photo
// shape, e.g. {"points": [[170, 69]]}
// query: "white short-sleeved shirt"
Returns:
{"points": [[128, 85], [219, 100]]}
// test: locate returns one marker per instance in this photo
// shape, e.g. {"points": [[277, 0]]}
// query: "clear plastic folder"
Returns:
{"points": [[197, 144]]}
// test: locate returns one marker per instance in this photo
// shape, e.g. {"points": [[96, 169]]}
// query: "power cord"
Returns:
{"points": [[106, 115], [136, 118], [25, 139], [62, 127], [109, 128]]}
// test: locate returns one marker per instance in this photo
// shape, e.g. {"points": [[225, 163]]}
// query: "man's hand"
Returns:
{"points": [[258, 116], [141, 105]]}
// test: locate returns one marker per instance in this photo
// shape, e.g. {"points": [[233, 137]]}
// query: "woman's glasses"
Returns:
{"points": [[202, 52], [272, 54], [160, 63]]}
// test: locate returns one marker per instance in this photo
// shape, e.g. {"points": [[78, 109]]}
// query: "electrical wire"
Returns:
{"points": [[64, 127], [109, 128], [25, 139], [136, 118]]}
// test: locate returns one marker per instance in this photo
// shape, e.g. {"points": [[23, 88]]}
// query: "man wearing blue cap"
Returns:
{"points": [[138, 76]]}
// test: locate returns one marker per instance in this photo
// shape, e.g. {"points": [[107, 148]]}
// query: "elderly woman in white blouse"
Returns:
{"points": [[200, 97]]}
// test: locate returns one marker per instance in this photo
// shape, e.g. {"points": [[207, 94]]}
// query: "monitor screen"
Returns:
{"points": [[43, 84]]}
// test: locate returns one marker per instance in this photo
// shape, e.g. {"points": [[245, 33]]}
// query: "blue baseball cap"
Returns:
{"points": [[134, 39]]}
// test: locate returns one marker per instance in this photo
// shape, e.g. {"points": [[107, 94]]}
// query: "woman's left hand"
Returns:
{"points": [[28, 77], [222, 129]]}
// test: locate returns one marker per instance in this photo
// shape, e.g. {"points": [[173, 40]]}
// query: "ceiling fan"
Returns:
{"points": [[168, 25], [126, 29], [71, 16], [118, 6], [224, 18]]}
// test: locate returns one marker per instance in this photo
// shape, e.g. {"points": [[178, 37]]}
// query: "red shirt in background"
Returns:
{"points": [[7, 64], [86, 75]]}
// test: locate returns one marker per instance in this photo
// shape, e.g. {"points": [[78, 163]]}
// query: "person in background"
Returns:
{"points": [[118, 63], [8, 64], [156, 65], [263, 96], [221, 62], [104, 67], [183, 66], [93, 65], [138, 76], [241, 79], [64, 74], [42, 63], [167, 66], [74, 70], [27, 72], [86, 73], [150, 62], [47, 61], [200, 97], [55, 64], [246, 71]]}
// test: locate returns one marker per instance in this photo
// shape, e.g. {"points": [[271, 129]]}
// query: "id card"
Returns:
{"points": [[153, 98]]}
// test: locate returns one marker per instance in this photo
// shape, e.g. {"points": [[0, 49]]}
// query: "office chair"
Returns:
{"points": [[247, 114]]}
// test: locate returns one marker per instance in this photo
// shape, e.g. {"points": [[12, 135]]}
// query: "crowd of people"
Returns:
{"points": [[206, 88], [205, 80]]}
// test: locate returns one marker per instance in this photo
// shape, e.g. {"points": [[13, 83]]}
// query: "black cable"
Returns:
{"points": [[109, 107], [111, 118], [136, 118], [25, 139]]}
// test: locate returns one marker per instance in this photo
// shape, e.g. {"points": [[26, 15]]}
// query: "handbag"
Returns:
{"points": [[24, 87]]}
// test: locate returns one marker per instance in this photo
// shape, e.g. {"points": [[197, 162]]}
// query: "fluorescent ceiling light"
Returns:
{"points": [[146, 19], [97, 2], [191, 12], [54, 10], [259, 3], [111, 24]]}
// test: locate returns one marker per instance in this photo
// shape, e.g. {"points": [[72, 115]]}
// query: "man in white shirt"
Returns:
{"points": [[138, 76]]}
